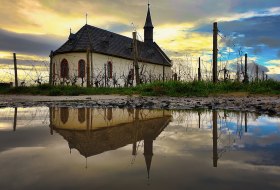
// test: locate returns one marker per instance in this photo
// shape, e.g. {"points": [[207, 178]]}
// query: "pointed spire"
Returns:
{"points": [[149, 28], [148, 160], [148, 154], [148, 23]]}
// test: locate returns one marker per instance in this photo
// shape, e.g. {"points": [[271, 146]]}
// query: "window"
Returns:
{"points": [[131, 74], [109, 114], [82, 69], [82, 115], [110, 69], [64, 69], [64, 115]]}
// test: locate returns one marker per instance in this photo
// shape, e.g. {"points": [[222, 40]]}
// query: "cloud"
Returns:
{"points": [[250, 32], [181, 26], [28, 43], [274, 68], [251, 67], [275, 76], [56, 17], [274, 62]]}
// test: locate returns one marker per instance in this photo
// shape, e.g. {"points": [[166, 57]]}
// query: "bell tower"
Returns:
{"points": [[148, 28]]}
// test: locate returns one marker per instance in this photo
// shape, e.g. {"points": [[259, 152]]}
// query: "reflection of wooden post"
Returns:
{"points": [[246, 121], [199, 119], [15, 119], [215, 139], [246, 78], [134, 151], [215, 52], [88, 119], [15, 68], [136, 129], [51, 119], [135, 58]]}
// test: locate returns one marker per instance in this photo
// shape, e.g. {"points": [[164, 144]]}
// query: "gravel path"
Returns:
{"points": [[263, 105]]}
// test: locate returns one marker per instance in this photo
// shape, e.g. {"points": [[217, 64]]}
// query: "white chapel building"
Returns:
{"points": [[108, 59]]}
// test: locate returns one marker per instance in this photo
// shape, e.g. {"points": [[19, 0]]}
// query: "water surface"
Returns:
{"points": [[55, 148]]}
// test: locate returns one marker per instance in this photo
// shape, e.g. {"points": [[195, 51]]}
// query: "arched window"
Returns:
{"points": [[64, 69], [82, 115], [109, 114], [82, 69], [64, 115], [131, 74], [110, 69]]}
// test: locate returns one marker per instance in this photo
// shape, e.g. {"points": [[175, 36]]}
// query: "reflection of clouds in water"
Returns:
{"points": [[26, 117], [265, 120], [185, 152], [177, 139], [275, 170]]}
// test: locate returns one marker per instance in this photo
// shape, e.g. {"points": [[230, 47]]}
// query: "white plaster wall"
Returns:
{"points": [[98, 118], [121, 68]]}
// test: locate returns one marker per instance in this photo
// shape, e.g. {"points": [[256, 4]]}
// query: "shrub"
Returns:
{"points": [[55, 92]]}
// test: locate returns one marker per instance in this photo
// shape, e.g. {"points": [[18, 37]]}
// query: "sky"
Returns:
{"points": [[183, 28]]}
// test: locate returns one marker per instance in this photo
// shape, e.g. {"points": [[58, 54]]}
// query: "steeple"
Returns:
{"points": [[148, 28]]}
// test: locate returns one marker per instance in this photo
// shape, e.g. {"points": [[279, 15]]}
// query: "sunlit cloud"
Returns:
{"points": [[19, 56], [274, 62]]}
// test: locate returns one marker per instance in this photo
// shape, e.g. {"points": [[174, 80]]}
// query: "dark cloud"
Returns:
{"points": [[164, 11], [278, 54], [259, 33], [119, 28], [257, 30], [26, 62], [28, 44], [257, 50], [245, 5]]}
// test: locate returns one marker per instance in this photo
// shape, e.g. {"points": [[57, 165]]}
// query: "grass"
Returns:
{"points": [[170, 88]]}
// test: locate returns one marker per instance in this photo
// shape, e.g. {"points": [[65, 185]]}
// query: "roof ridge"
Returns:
{"points": [[114, 33]]}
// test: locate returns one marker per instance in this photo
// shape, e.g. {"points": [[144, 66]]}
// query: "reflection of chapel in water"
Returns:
{"points": [[94, 131]]}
